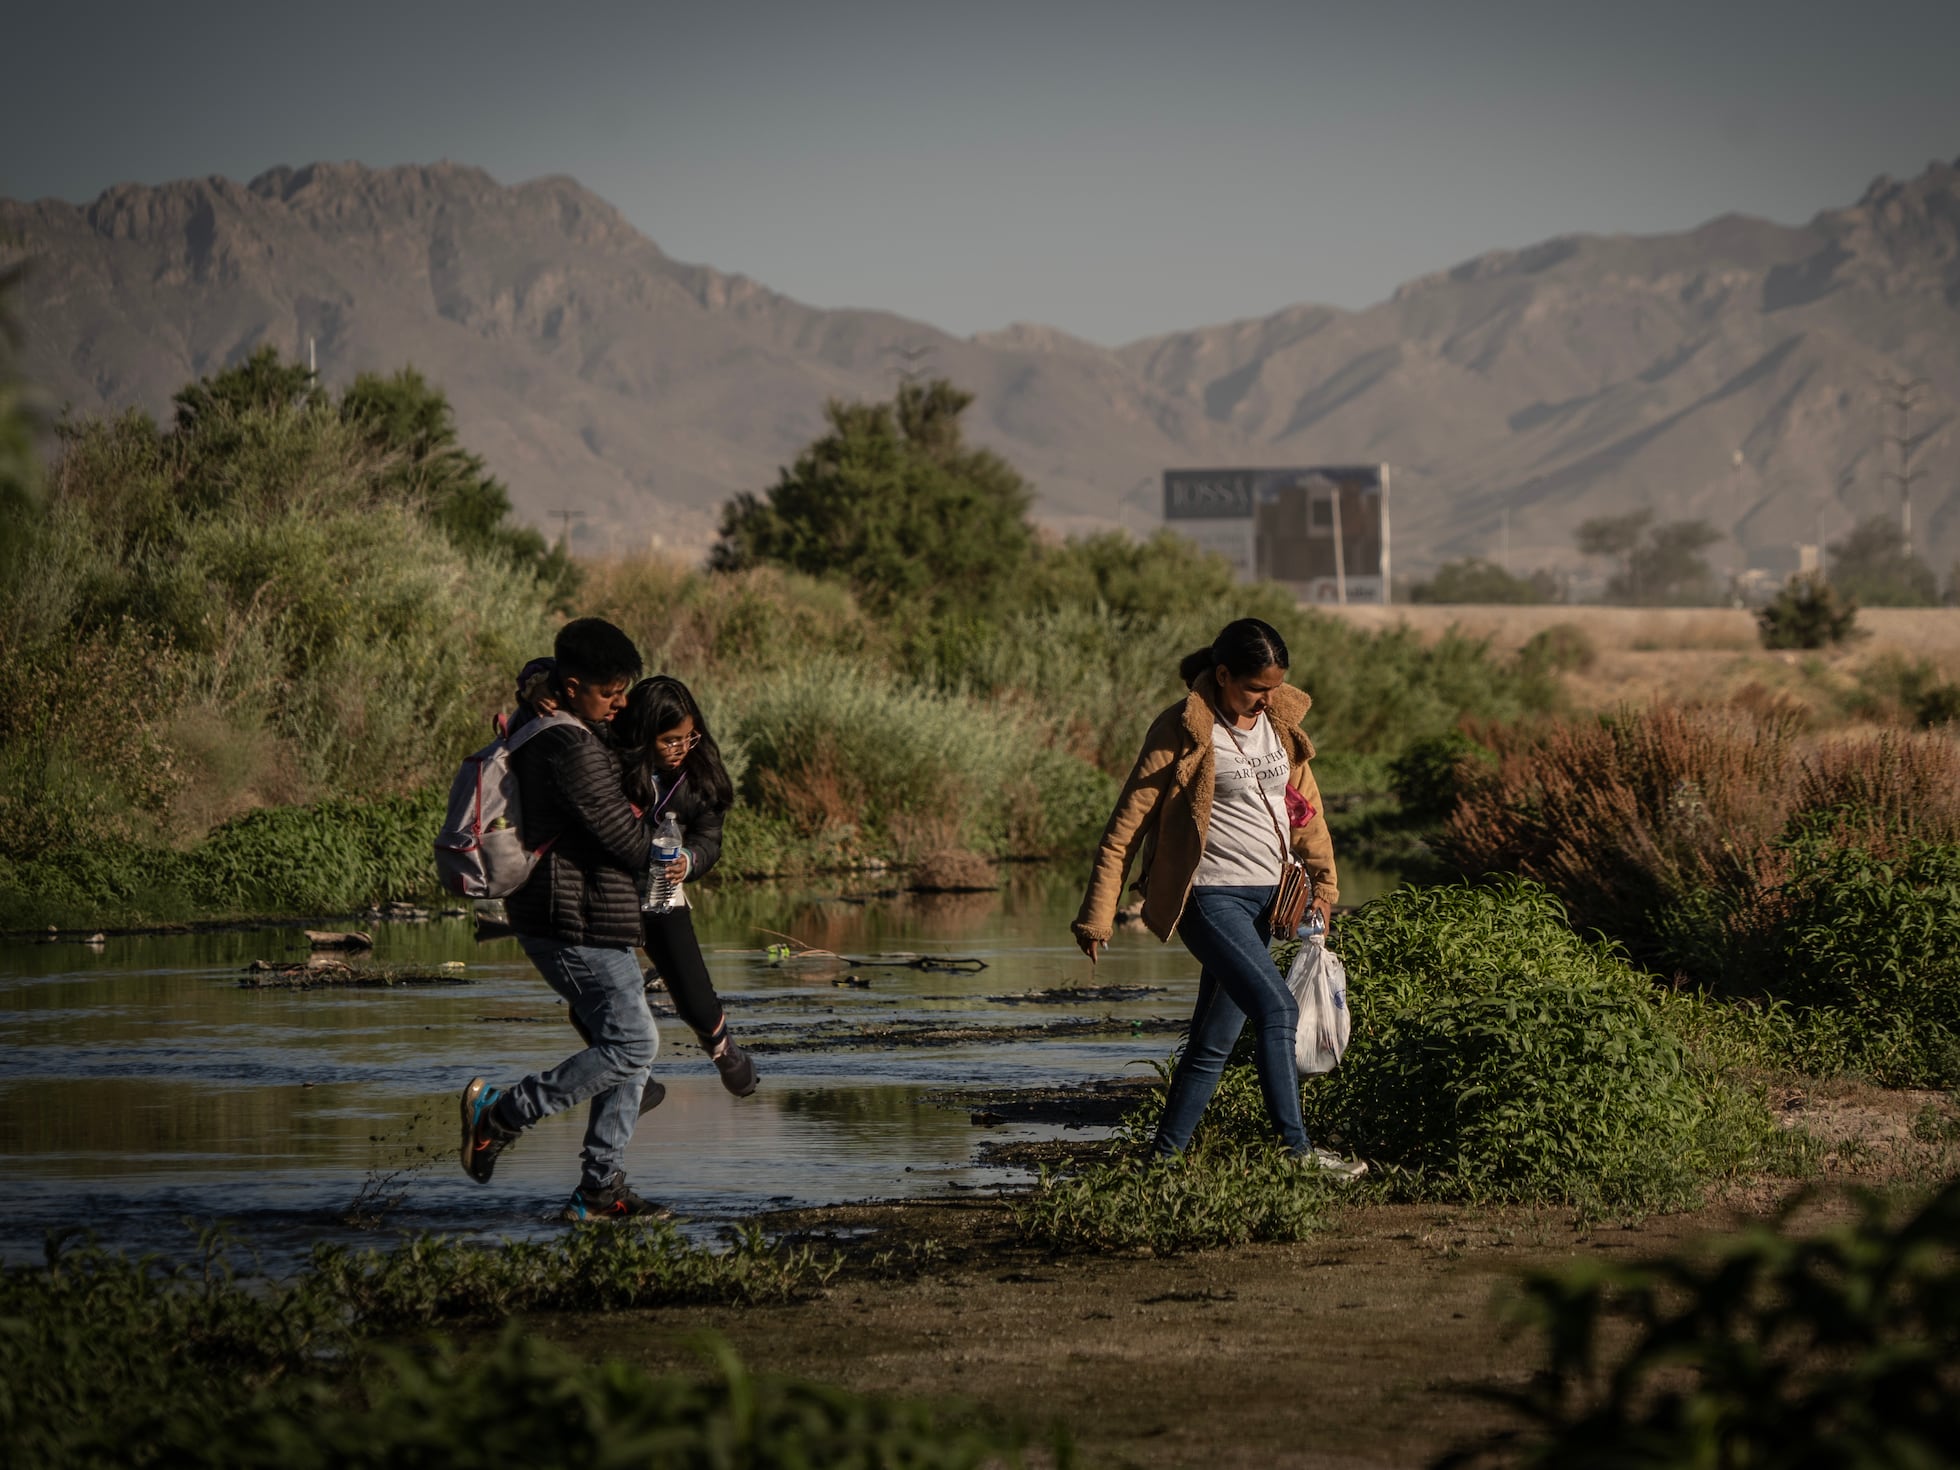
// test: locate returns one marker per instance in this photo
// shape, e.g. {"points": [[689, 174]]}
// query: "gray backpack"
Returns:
{"points": [[479, 854]]}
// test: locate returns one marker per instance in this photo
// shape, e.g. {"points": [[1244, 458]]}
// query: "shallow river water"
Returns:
{"points": [[142, 1086]]}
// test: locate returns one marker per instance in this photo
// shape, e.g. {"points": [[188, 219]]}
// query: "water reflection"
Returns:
{"points": [[140, 1084]]}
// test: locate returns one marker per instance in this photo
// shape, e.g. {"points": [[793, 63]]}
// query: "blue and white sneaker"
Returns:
{"points": [[483, 1136]]}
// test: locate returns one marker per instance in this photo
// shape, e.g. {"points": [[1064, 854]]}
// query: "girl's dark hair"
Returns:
{"points": [[1245, 648], [654, 707]]}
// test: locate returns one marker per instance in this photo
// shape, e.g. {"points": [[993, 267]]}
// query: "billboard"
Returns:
{"points": [[1321, 529]]}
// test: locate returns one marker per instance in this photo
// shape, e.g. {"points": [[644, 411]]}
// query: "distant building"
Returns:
{"points": [[1322, 530], [1770, 567]]}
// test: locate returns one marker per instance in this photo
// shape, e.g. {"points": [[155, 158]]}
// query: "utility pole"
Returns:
{"points": [[565, 519], [1340, 551], [1385, 566], [1504, 552], [1902, 396]]}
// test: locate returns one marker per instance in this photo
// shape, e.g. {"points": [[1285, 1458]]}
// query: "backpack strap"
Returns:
{"points": [[556, 720]]}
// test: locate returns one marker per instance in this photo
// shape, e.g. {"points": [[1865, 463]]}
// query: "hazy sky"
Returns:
{"points": [[1111, 169]]}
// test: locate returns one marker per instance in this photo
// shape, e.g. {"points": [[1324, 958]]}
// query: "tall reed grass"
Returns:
{"points": [[1736, 851]]}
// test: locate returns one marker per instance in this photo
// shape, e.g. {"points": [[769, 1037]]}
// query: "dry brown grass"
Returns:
{"points": [[1625, 817]]}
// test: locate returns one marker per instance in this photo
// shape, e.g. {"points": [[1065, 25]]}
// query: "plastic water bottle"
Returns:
{"points": [[661, 884]]}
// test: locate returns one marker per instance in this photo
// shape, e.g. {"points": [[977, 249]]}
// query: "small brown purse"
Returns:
{"points": [[1290, 898]]}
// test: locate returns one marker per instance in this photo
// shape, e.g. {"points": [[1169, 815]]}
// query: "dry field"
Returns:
{"points": [[1690, 652]]}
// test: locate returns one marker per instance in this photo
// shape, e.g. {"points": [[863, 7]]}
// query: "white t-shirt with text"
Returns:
{"points": [[1248, 799]]}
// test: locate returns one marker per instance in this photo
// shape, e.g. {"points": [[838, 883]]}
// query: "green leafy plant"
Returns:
{"points": [[1499, 1056], [1768, 1348]]}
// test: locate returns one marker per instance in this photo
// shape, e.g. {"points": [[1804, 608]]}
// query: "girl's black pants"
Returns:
{"points": [[669, 941]]}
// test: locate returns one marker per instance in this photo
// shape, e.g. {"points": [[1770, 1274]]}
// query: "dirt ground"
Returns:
{"points": [[1707, 653], [1354, 1348]]}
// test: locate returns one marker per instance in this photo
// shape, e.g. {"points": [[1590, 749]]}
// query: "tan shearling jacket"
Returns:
{"points": [[1164, 812]]}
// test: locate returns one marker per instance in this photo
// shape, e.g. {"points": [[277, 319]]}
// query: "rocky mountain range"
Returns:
{"points": [[1735, 372]]}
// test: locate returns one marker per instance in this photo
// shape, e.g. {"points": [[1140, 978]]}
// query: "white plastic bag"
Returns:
{"points": [[1318, 981]]}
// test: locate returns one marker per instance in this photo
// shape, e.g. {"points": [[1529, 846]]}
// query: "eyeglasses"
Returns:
{"points": [[677, 744]]}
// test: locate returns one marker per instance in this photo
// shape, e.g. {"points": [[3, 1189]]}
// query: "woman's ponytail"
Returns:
{"points": [[1195, 663]]}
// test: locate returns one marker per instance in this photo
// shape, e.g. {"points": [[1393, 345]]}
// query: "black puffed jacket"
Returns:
{"points": [[586, 887]]}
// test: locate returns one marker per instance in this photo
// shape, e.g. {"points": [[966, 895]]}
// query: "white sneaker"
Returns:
{"points": [[1329, 1162]]}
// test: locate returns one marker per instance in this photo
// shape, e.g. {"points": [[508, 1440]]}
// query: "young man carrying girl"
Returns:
{"points": [[578, 919]]}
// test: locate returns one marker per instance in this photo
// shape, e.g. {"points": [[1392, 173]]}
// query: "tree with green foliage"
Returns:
{"points": [[406, 416], [1478, 581], [1613, 536], [893, 502], [1162, 576], [1872, 565], [1662, 565], [20, 424], [262, 381]]}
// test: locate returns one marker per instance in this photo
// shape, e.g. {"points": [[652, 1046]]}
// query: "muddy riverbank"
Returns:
{"points": [[1356, 1348]]}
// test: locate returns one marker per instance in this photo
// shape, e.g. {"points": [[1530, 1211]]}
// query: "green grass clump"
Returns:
{"points": [[1832, 1350], [436, 1278], [333, 857], [106, 1361], [1218, 1195]]}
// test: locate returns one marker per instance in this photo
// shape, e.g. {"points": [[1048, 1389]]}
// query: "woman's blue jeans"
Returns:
{"points": [[1239, 982]]}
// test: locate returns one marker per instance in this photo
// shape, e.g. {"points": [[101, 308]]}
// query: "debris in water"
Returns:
{"points": [[339, 939], [1077, 995], [954, 871]]}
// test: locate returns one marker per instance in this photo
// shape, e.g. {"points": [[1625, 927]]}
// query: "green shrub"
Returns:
{"points": [[871, 767], [334, 857], [1897, 690], [1430, 772], [261, 569], [1219, 1194], [1475, 580], [1560, 649], [1831, 1350], [1498, 1056], [1807, 613], [1860, 948]]}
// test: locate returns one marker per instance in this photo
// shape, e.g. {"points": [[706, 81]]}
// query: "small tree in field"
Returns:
{"points": [[1807, 613], [1661, 566], [892, 501]]}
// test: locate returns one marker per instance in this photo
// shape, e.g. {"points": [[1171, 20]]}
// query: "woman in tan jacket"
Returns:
{"points": [[1206, 810]]}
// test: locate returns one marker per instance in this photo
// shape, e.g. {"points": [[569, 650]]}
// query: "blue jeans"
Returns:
{"points": [[609, 1005], [1239, 980]]}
